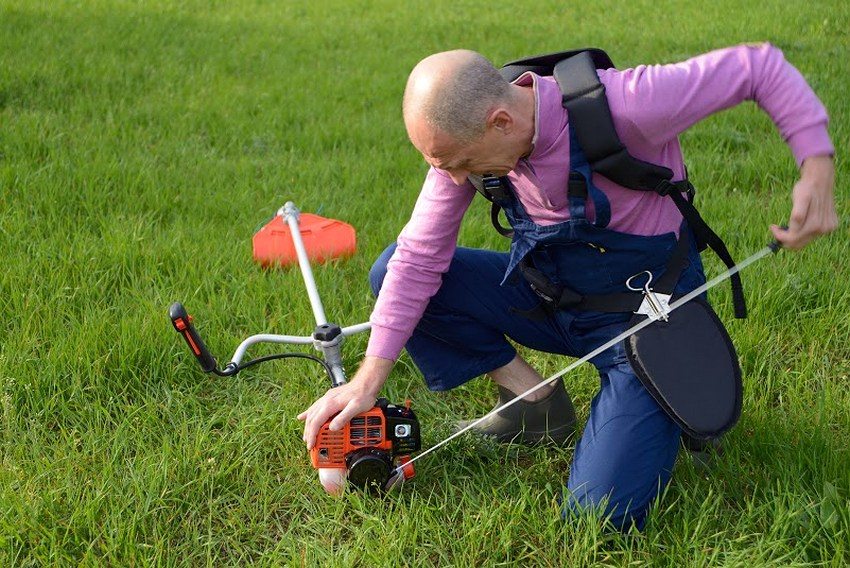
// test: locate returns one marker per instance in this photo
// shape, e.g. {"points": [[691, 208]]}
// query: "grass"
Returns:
{"points": [[141, 144]]}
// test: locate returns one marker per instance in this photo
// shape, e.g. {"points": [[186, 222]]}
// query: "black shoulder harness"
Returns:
{"points": [[584, 98]]}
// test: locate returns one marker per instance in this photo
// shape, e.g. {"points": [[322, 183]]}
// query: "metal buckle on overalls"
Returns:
{"points": [[542, 295], [655, 306]]}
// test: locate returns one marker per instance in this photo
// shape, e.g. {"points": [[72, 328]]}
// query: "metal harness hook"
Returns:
{"points": [[655, 306]]}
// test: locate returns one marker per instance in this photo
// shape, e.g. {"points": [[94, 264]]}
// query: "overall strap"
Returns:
{"points": [[580, 187]]}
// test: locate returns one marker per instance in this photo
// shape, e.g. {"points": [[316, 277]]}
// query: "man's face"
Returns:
{"points": [[490, 154]]}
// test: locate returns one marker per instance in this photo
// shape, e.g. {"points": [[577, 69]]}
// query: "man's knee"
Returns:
{"points": [[619, 509], [379, 269]]}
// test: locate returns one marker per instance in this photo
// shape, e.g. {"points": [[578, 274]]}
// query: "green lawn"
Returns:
{"points": [[141, 145]]}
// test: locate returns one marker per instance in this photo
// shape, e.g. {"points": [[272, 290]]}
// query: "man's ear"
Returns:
{"points": [[501, 120]]}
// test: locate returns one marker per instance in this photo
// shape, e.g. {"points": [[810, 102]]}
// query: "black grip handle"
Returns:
{"points": [[182, 322]]}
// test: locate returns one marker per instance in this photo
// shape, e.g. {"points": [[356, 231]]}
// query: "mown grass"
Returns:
{"points": [[141, 144]]}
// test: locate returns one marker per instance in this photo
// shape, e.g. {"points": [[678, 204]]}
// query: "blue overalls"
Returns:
{"points": [[629, 445]]}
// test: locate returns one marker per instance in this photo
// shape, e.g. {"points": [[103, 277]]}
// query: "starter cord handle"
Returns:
{"points": [[774, 244]]}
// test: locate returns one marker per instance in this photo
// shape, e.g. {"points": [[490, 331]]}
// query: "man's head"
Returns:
{"points": [[464, 117]]}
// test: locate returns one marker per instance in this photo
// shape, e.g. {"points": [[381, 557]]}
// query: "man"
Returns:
{"points": [[446, 303]]}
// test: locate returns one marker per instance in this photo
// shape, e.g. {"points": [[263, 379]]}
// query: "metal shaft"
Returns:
{"points": [[290, 215], [333, 357]]}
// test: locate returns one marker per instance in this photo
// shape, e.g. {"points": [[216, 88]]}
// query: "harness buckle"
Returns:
{"points": [[655, 306], [665, 186], [493, 188]]}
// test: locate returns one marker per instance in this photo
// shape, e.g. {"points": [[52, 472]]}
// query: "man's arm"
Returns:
{"points": [[654, 104], [425, 249], [414, 274]]}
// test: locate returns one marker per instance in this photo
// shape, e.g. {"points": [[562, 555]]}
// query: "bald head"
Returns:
{"points": [[454, 91]]}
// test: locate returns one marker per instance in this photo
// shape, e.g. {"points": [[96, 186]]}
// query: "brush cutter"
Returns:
{"points": [[373, 449]]}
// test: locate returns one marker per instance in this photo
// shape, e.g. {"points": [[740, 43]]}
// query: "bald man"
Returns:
{"points": [[458, 310]]}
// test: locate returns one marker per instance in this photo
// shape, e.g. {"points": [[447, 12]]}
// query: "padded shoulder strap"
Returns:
{"points": [[584, 98], [544, 64]]}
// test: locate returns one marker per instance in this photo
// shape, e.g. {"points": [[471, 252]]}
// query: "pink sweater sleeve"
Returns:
{"points": [[658, 102], [414, 273]]}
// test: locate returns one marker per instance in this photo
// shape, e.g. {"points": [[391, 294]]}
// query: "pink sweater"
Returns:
{"points": [[650, 106]]}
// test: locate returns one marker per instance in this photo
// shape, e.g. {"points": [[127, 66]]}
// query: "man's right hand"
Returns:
{"points": [[813, 204], [348, 400]]}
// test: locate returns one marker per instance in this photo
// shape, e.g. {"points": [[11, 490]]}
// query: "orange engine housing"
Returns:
{"points": [[366, 429], [371, 444]]}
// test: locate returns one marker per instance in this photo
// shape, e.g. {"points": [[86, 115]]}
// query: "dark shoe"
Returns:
{"points": [[703, 452], [549, 420]]}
